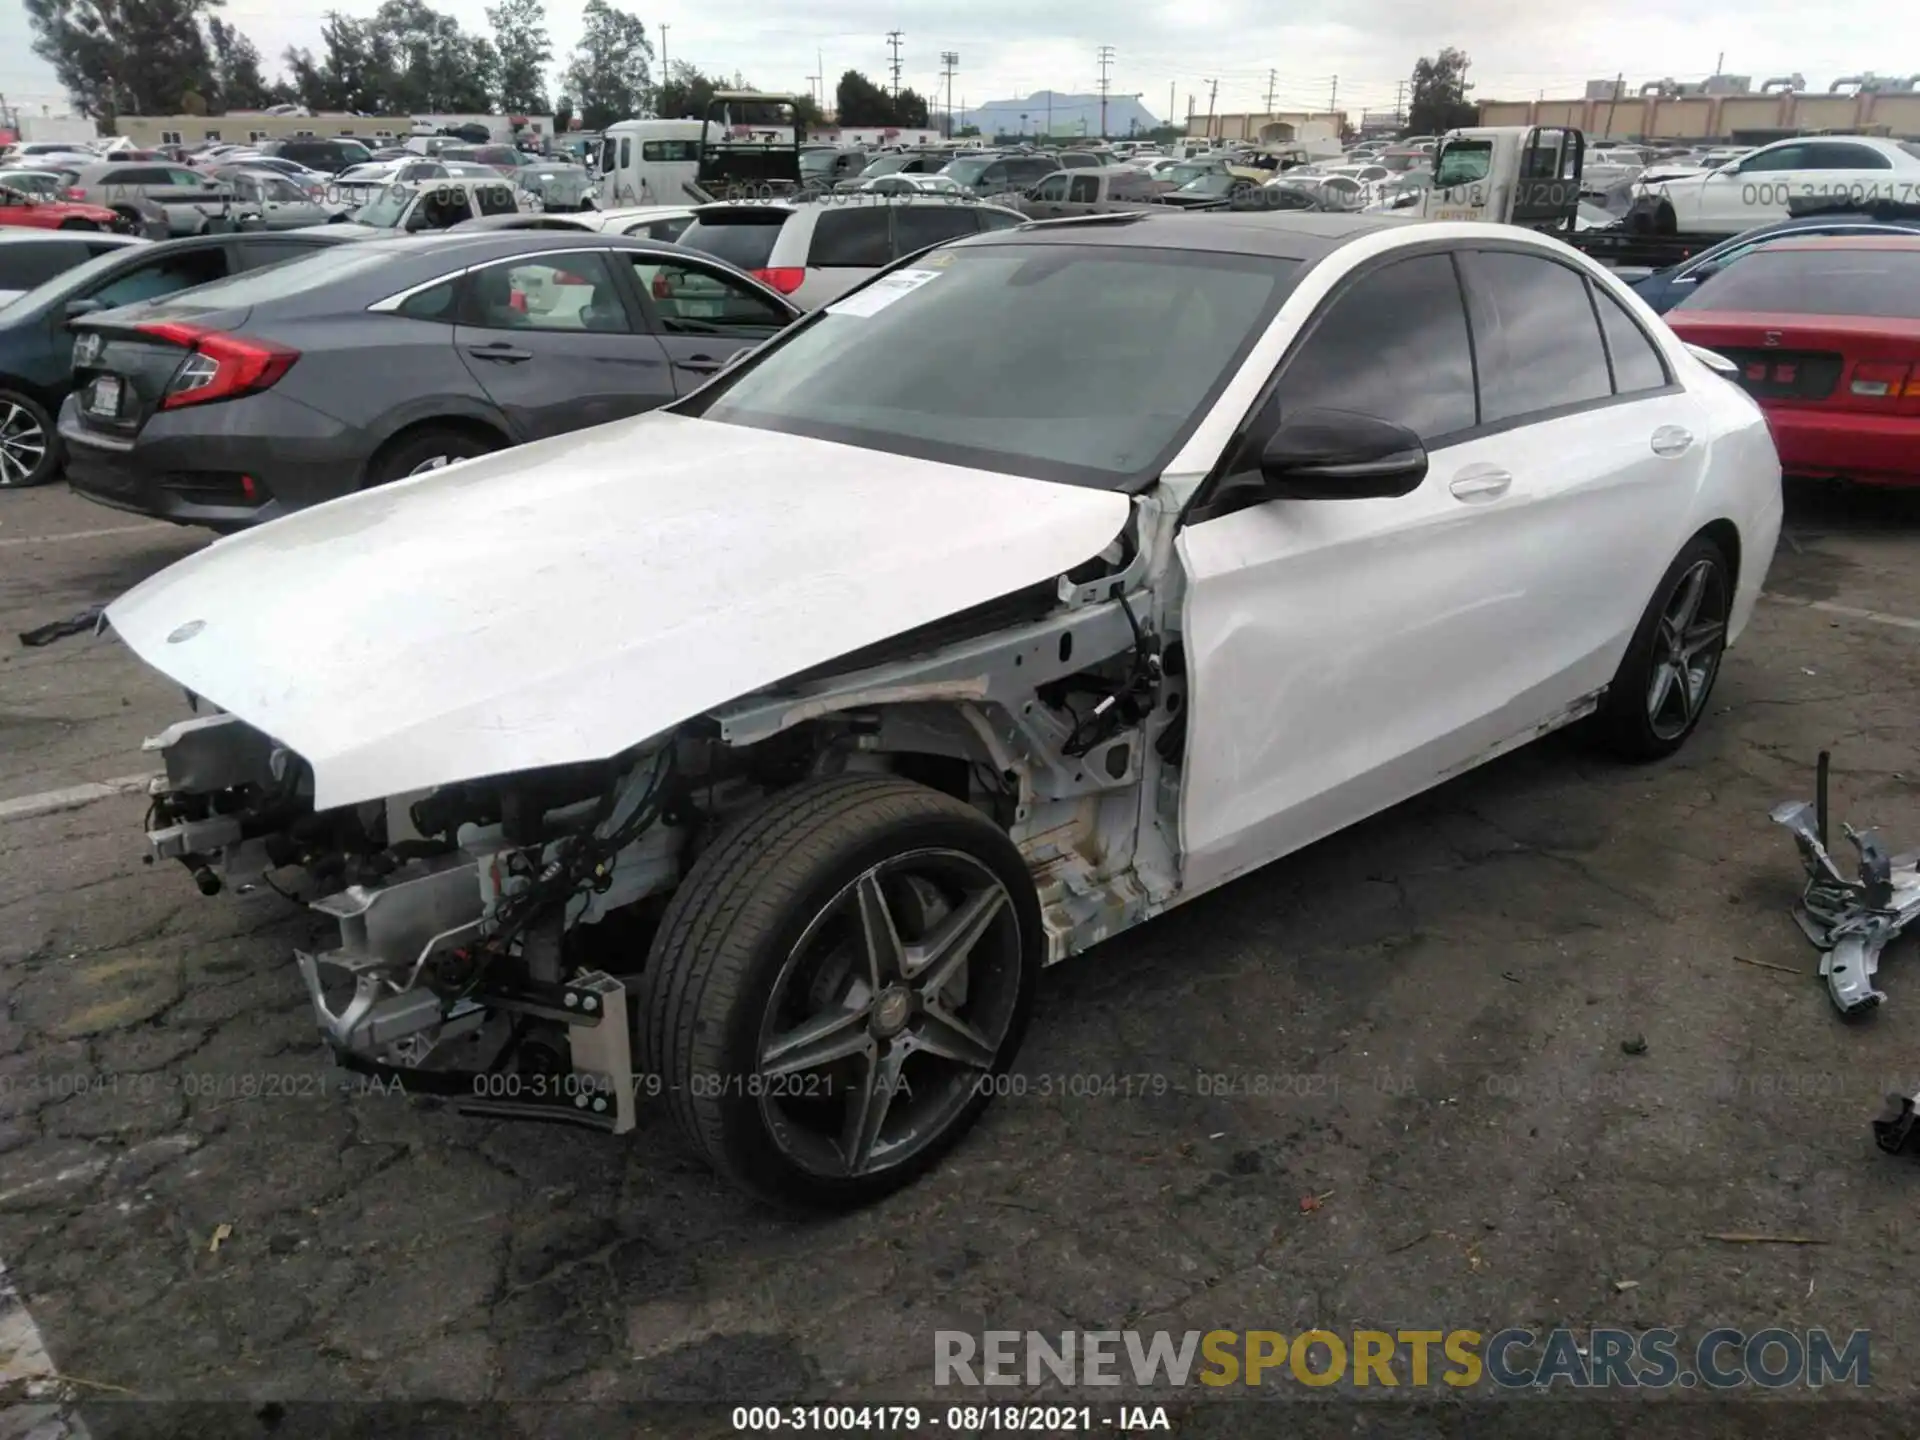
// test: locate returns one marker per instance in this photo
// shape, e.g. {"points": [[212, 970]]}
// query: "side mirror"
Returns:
{"points": [[88, 306], [1701, 273], [1338, 455]]}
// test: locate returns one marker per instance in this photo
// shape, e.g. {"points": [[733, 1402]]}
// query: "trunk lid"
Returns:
{"points": [[121, 372], [1866, 364]]}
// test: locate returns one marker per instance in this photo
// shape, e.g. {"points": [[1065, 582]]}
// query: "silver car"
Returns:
{"points": [[266, 200], [178, 196]]}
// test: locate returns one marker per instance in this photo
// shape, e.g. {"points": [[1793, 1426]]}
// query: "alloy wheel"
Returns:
{"points": [[888, 1014], [23, 445], [1687, 645], [438, 462]]}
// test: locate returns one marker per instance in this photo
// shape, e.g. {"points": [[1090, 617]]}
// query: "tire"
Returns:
{"points": [[1634, 721], [762, 940], [416, 452], [29, 447]]}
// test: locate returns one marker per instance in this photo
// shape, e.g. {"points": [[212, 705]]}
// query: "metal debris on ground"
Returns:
{"points": [[1850, 921], [88, 619], [1898, 1130]]}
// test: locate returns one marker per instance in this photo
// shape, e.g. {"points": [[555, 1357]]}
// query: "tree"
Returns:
{"points": [[520, 35], [861, 102], [1439, 101], [236, 68], [354, 73], [807, 115], [685, 92], [609, 74], [435, 65], [136, 57], [562, 114], [909, 111]]}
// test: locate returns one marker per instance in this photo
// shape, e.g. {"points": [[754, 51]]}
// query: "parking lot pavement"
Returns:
{"points": [[1424, 1025]]}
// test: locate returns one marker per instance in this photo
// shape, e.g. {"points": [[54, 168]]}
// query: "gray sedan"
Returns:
{"points": [[251, 397]]}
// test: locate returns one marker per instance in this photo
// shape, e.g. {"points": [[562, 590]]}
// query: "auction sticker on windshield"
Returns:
{"points": [[882, 293]]}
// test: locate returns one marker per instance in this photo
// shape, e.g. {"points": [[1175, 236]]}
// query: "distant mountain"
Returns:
{"points": [[1070, 115]]}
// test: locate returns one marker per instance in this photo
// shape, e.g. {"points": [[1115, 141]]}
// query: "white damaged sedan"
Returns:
{"points": [[1032, 589]]}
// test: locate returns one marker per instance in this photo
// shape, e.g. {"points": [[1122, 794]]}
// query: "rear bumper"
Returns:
{"points": [[1846, 445], [191, 466]]}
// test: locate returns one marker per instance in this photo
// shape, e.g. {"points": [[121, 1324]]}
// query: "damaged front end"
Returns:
{"points": [[457, 960]]}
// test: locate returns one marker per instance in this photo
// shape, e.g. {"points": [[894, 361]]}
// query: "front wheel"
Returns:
{"points": [[1663, 684], [838, 987]]}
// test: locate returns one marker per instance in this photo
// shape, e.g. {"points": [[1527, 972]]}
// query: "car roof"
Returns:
{"points": [[11, 235], [476, 247], [1281, 235], [1846, 242]]}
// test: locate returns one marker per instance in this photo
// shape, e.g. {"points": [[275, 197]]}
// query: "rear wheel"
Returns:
{"points": [[1663, 684], [837, 985], [419, 451], [28, 455]]}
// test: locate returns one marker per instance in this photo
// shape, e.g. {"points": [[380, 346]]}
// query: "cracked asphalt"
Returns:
{"points": [[1421, 1029]]}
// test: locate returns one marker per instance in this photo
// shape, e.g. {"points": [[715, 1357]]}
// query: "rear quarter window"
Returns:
{"points": [[745, 240]]}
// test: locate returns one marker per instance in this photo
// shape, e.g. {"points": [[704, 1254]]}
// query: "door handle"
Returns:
{"points": [[1671, 440], [499, 351], [703, 364], [1479, 483]]}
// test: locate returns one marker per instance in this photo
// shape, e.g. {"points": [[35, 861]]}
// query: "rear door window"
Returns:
{"points": [[851, 239], [1535, 335], [1085, 190], [915, 227], [693, 300], [570, 292], [1836, 155], [496, 200]]}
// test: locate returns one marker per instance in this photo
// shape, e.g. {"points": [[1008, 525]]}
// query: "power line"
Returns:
{"points": [[1106, 59], [893, 44]]}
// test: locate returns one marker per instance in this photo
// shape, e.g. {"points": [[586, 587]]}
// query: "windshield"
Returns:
{"points": [[276, 188], [385, 209], [886, 165], [1462, 163], [1216, 182], [1093, 364], [1187, 174], [1884, 284], [816, 162]]}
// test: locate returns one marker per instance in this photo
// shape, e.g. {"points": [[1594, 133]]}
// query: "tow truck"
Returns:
{"points": [[749, 147], [1531, 176]]}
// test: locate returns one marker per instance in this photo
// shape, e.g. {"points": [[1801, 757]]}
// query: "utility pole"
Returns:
{"points": [[666, 74], [950, 62], [1400, 104], [1333, 99], [1619, 82], [1106, 59], [1719, 61], [1271, 78], [1170, 97], [1213, 94], [893, 44]]}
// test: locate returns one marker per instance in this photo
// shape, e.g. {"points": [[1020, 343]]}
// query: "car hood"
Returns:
{"points": [[568, 599]]}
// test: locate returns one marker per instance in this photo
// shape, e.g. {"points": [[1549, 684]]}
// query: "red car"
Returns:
{"points": [[19, 208], [1826, 333]]}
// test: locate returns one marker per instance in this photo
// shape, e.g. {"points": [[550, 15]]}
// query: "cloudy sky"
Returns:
{"points": [[1014, 47]]}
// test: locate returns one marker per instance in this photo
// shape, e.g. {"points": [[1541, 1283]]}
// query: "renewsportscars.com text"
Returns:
{"points": [[1513, 1359]]}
